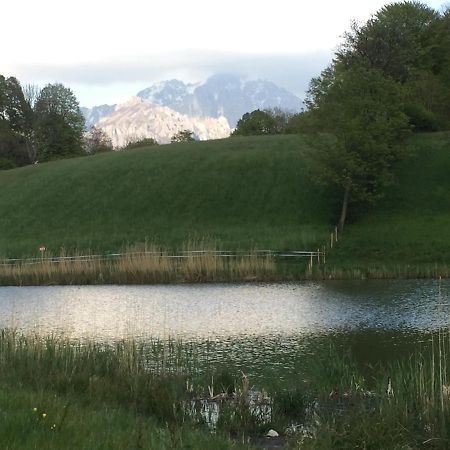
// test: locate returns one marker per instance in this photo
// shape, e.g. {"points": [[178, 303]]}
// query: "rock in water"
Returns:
{"points": [[272, 433]]}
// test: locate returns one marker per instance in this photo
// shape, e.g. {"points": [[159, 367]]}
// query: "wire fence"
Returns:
{"points": [[312, 255]]}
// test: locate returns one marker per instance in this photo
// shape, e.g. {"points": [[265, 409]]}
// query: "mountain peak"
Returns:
{"points": [[137, 119], [222, 94]]}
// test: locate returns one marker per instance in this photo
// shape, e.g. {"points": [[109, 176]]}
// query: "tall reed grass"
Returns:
{"points": [[148, 265], [333, 405]]}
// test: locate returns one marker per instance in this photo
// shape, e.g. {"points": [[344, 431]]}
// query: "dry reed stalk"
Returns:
{"points": [[151, 266]]}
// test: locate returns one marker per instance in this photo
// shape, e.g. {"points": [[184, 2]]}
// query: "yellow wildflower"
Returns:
{"points": [[44, 415]]}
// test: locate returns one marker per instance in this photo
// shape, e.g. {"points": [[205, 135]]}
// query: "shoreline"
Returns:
{"points": [[121, 279]]}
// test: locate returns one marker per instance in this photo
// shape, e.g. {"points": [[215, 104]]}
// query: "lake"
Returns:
{"points": [[263, 329]]}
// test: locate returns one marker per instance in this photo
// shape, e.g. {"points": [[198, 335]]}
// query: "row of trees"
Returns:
{"points": [[38, 124], [390, 76], [48, 124]]}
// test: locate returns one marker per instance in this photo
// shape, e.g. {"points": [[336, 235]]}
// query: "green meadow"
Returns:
{"points": [[243, 193]]}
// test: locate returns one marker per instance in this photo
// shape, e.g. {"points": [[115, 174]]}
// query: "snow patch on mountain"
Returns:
{"points": [[219, 95]]}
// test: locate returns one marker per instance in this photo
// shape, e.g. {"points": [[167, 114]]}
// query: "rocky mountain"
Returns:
{"points": [[221, 95], [93, 115], [138, 118]]}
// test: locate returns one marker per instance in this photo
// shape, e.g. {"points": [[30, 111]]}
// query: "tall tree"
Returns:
{"points": [[16, 118], [359, 112], [97, 141], [255, 123], [409, 42], [396, 40], [59, 123]]}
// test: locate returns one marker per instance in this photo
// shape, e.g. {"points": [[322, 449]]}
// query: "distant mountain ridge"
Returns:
{"points": [[220, 95], [93, 115], [137, 119]]}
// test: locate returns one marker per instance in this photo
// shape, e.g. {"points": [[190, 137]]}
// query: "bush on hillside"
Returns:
{"points": [[183, 136], [139, 143]]}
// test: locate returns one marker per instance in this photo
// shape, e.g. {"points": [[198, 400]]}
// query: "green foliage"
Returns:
{"points": [[410, 43], [183, 136], [140, 143], [59, 123], [362, 112], [256, 123], [299, 123], [97, 141], [16, 143], [420, 118], [6, 164], [268, 121], [395, 40]]}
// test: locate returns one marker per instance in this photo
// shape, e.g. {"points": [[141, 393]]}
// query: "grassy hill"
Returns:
{"points": [[240, 193], [411, 224]]}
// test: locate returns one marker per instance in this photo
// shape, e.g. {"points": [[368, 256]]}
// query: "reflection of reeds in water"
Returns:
{"points": [[151, 265]]}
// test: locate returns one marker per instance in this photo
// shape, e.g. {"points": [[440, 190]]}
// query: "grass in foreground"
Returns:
{"points": [[154, 395]]}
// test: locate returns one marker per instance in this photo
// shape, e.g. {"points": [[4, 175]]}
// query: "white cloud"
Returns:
{"points": [[53, 39]]}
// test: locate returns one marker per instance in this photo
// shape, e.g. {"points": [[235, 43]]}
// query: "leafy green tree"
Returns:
{"points": [[59, 123], [359, 112], [409, 42], [140, 143], [16, 116], [299, 123], [281, 118], [396, 40], [183, 136], [256, 123], [97, 141]]}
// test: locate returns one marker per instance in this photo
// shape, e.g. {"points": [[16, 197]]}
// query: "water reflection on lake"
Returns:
{"points": [[225, 311], [265, 325]]}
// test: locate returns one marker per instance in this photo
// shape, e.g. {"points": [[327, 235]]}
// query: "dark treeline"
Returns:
{"points": [[43, 124], [407, 43]]}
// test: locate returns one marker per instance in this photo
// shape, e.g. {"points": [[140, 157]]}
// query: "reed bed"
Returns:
{"points": [[141, 267], [158, 266], [333, 404], [379, 272]]}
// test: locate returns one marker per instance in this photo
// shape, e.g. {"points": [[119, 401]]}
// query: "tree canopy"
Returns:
{"points": [[16, 124], [410, 43], [255, 123], [183, 136], [59, 123], [362, 124]]}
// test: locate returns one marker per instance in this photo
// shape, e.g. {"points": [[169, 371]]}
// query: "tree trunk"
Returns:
{"points": [[344, 210]]}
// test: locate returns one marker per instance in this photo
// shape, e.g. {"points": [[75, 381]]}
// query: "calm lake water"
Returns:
{"points": [[258, 328]]}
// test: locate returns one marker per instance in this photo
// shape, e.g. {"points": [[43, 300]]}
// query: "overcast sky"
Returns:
{"points": [[108, 50]]}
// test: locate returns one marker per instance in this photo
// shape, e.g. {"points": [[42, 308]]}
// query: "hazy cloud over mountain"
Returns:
{"points": [[290, 71]]}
